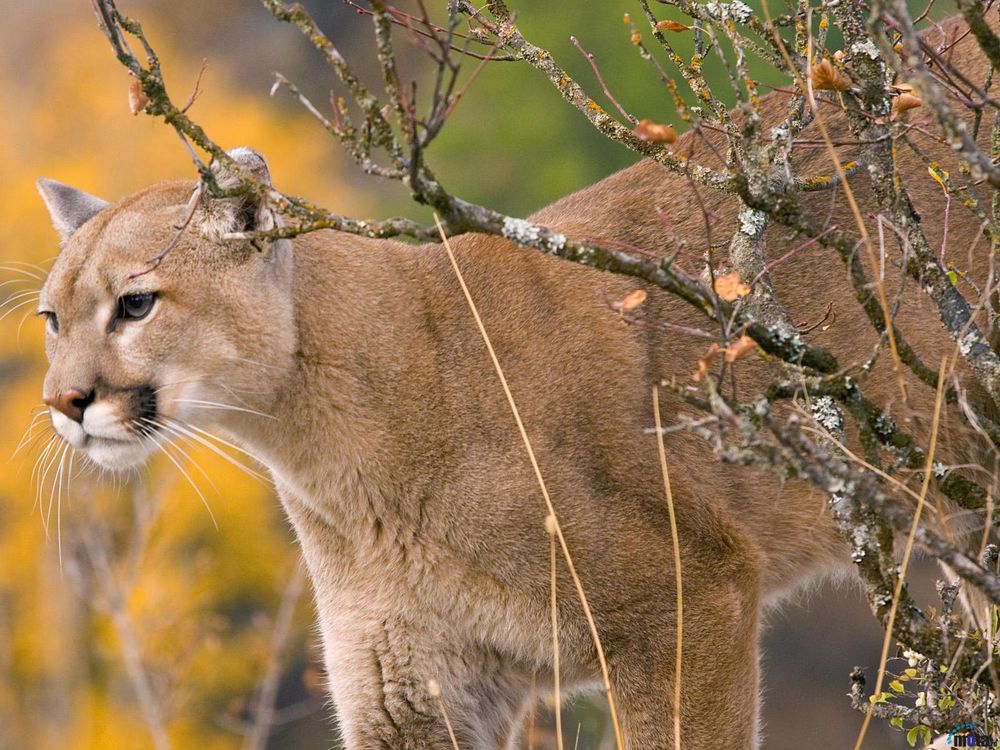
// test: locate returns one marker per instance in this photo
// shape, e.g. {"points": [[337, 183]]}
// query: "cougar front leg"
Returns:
{"points": [[380, 678]]}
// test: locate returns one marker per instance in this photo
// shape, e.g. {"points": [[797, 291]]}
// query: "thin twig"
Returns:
{"points": [[263, 705], [589, 57], [196, 91]]}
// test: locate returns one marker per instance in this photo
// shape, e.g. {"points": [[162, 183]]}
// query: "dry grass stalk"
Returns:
{"points": [[905, 562], [435, 692], [602, 661], [550, 528], [678, 582]]}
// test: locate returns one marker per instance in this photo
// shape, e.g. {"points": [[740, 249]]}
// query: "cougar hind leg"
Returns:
{"points": [[719, 695]]}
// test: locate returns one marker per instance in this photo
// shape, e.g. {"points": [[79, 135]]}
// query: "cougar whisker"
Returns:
{"points": [[236, 358], [164, 386], [36, 471], [13, 269], [28, 264], [148, 430], [54, 458], [31, 442], [19, 305], [20, 326], [61, 474], [162, 447], [20, 295], [14, 281], [69, 485], [189, 430], [223, 407], [56, 484], [38, 420]]}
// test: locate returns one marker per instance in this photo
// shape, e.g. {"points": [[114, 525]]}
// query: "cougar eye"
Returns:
{"points": [[51, 320], [135, 306]]}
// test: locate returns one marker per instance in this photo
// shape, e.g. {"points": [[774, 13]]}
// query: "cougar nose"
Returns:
{"points": [[71, 402]]}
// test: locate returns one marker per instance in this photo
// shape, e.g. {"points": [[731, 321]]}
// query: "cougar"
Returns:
{"points": [[359, 377]]}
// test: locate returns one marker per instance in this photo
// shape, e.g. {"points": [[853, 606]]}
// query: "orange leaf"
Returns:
{"points": [[705, 362], [736, 350], [666, 25], [826, 77], [906, 101], [636, 37], [631, 301], [730, 288], [647, 130], [137, 99]]}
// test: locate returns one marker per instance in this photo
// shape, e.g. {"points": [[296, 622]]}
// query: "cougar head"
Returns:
{"points": [[146, 346]]}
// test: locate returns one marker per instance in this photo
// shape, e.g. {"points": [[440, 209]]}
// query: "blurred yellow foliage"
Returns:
{"points": [[199, 601]]}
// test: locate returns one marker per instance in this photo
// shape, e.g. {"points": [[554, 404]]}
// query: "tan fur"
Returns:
{"points": [[397, 458]]}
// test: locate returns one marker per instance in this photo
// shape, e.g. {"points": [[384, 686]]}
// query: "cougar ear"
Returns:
{"points": [[243, 213], [69, 208]]}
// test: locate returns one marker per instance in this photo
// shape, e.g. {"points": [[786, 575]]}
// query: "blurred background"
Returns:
{"points": [[127, 616]]}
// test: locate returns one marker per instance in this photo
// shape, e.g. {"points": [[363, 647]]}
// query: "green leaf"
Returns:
{"points": [[896, 721], [896, 686], [952, 277], [914, 734], [919, 732], [911, 673], [946, 702]]}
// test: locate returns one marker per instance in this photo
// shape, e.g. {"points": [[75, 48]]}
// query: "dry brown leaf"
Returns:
{"points": [[647, 130], [736, 350], [828, 78], [667, 25], [904, 102], [730, 288], [631, 301], [636, 37], [137, 99], [705, 362]]}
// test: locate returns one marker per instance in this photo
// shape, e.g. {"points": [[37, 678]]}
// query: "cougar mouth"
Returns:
{"points": [[117, 430]]}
